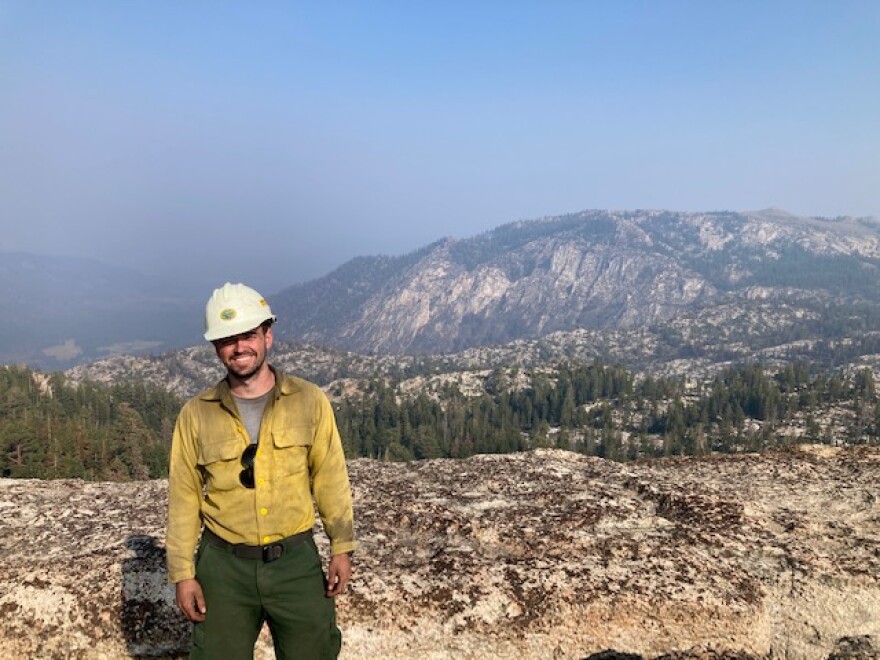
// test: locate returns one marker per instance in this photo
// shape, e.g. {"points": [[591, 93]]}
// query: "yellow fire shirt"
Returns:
{"points": [[299, 457]]}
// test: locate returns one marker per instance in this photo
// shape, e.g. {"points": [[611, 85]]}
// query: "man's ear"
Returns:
{"points": [[270, 337]]}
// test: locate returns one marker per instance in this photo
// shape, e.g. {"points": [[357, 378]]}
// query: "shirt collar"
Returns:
{"points": [[283, 386]]}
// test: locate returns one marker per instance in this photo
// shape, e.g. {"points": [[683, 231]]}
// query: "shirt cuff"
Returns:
{"points": [[343, 548]]}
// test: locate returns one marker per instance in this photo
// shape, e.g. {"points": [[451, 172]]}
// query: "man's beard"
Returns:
{"points": [[244, 375]]}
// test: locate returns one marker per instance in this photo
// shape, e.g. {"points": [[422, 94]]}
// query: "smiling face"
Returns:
{"points": [[244, 355]]}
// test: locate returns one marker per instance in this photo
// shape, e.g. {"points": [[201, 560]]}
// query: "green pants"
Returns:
{"points": [[240, 594]]}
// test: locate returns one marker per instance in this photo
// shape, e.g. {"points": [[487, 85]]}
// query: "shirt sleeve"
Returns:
{"points": [[184, 498], [330, 485]]}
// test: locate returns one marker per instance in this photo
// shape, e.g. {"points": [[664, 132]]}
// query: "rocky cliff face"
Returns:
{"points": [[597, 269], [539, 555]]}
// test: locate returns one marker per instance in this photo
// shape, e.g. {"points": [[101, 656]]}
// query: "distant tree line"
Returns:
{"points": [[53, 429], [453, 425], [605, 411]]}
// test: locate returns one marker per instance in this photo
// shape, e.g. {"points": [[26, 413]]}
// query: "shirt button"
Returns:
{"points": [[265, 539], [261, 480], [264, 511]]}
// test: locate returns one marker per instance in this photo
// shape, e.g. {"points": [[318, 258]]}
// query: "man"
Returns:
{"points": [[248, 457]]}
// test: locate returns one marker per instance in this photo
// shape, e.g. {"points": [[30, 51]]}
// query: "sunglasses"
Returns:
{"points": [[246, 476]]}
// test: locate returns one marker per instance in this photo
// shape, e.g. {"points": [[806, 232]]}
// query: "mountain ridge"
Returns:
{"points": [[594, 269], [60, 310], [610, 271]]}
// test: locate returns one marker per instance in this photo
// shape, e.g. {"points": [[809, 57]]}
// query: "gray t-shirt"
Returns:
{"points": [[251, 411]]}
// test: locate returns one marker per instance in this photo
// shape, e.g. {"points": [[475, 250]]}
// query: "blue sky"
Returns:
{"points": [[269, 142]]}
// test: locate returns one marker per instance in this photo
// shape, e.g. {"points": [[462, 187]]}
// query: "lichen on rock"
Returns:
{"points": [[545, 554]]}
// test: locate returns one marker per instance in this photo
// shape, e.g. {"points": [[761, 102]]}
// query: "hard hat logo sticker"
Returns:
{"points": [[228, 314]]}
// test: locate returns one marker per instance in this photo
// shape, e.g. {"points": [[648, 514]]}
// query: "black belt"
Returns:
{"points": [[267, 553]]}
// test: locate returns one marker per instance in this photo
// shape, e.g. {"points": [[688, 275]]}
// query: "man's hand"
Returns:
{"points": [[338, 574], [191, 600]]}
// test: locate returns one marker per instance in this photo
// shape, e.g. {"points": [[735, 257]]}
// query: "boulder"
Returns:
{"points": [[545, 554]]}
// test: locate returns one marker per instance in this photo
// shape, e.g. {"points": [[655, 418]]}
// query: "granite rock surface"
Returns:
{"points": [[546, 554]]}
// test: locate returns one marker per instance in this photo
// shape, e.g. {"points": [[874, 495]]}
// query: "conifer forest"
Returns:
{"points": [[50, 428]]}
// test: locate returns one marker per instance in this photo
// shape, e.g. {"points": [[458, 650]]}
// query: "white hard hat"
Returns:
{"points": [[233, 309]]}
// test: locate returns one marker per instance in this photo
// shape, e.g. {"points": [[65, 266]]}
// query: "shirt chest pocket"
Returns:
{"points": [[220, 461], [292, 447]]}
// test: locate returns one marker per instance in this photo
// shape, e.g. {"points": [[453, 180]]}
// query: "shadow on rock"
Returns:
{"points": [[152, 624], [861, 647], [696, 653]]}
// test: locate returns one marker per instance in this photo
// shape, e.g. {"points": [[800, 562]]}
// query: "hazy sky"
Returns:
{"points": [[269, 142]]}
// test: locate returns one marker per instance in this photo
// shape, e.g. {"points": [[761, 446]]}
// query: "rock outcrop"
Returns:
{"points": [[590, 270], [546, 554]]}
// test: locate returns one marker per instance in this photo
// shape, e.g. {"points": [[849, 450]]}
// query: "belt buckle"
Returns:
{"points": [[272, 552]]}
